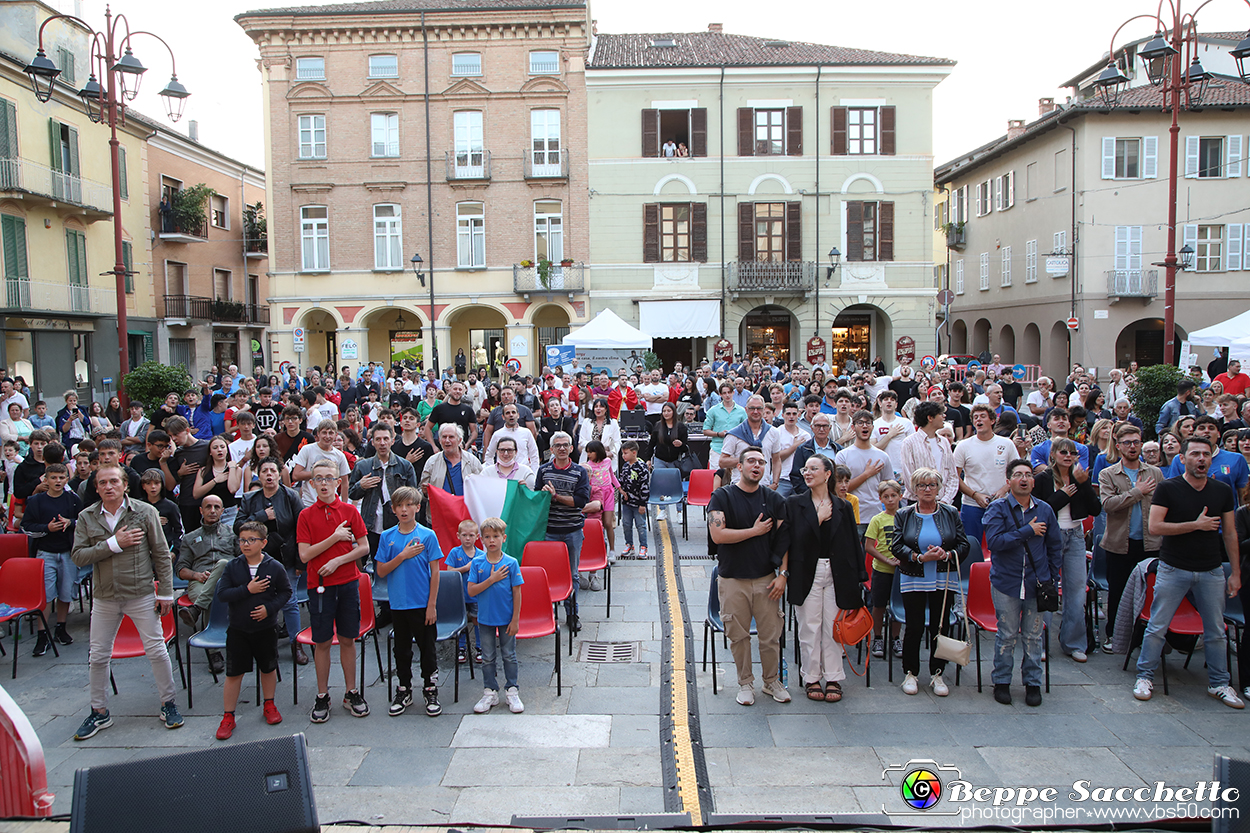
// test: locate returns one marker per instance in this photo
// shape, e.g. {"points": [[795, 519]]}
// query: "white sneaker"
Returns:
{"points": [[612, 556], [1246, 693], [490, 697], [939, 686], [1226, 695], [1079, 656], [583, 583], [514, 700], [746, 695], [596, 584], [911, 685], [777, 691], [1143, 689]]}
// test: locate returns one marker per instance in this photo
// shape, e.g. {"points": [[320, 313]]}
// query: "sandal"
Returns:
{"points": [[815, 692], [833, 693]]}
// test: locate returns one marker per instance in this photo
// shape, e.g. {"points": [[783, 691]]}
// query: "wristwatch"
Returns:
{"points": [[784, 573]]}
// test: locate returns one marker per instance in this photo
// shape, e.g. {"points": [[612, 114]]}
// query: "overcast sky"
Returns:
{"points": [[1009, 53]]}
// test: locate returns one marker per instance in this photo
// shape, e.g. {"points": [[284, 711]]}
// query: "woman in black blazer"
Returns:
{"points": [[826, 567]]}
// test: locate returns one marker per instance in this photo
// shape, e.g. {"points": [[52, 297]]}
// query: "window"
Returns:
{"points": [[312, 137], [1209, 253], [959, 277], [76, 262], [175, 286], [770, 132], [469, 150], [676, 232], [770, 232], [387, 238], [315, 238], [869, 231], [310, 69], [1130, 158], [1128, 248], [1005, 191], [16, 267], [1234, 258], [1127, 161], [384, 128], [1030, 261], [1062, 171], [383, 66], [1060, 245], [66, 167], [548, 231], [466, 63], [985, 271], [221, 285], [1213, 156], [470, 235], [770, 137], [863, 131], [984, 190], [220, 214], [122, 175], [681, 127], [128, 260], [1210, 155], [1030, 181], [960, 213], [545, 142], [544, 63], [65, 60], [1006, 266]]}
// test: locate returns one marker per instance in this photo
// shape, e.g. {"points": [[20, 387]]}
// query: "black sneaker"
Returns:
{"points": [[574, 623], [355, 703], [1032, 695], [321, 709], [401, 701], [1002, 693], [169, 715], [94, 723], [432, 708], [216, 662], [477, 656], [62, 635], [42, 644]]}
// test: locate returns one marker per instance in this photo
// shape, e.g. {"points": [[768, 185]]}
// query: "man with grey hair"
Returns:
{"points": [[569, 487], [452, 465], [749, 434], [1122, 411]]}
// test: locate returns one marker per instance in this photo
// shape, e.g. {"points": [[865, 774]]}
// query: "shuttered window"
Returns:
{"points": [[688, 127], [770, 132], [674, 232], [128, 260], [770, 232], [16, 268], [863, 131], [123, 178], [869, 231]]}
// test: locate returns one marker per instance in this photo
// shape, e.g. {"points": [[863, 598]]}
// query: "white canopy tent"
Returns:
{"points": [[607, 342], [1233, 334]]}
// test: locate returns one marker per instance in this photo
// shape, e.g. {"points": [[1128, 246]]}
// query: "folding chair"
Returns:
{"points": [[700, 491], [537, 618], [22, 594], [368, 627], [1097, 583], [983, 617], [453, 620], [553, 558], [127, 644], [666, 490], [594, 556], [1186, 621]]}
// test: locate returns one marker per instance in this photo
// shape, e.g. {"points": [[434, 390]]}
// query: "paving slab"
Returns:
{"points": [[390, 766], [517, 768], [801, 730], [753, 800], [635, 730], [619, 767], [499, 731], [497, 804], [839, 766], [1041, 765]]}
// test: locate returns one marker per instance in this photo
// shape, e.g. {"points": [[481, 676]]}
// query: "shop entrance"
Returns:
{"points": [[766, 334], [851, 338]]}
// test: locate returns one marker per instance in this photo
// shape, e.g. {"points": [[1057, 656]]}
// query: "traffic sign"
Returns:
{"points": [[513, 365], [928, 362], [946, 297], [284, 369], [297, 336], [1018, 371], [974, 365], [1074, 323]]}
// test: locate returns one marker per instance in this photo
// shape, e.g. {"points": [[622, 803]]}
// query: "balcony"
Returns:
{"points": [[787, 277], [956, 236], [546, 164], [254, 249], [570, 279], [219, 311], [1132, 283], [40, 185], [173, 232], [25, 296], [468, 166]]}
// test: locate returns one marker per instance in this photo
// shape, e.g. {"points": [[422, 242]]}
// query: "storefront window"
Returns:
{"points": [[766, 335], [851, 338]]}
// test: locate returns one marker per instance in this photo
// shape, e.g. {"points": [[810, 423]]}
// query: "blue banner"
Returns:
{"points": [[560, 355]]}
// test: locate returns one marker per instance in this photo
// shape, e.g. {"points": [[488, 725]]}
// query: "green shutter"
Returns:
{"points": [[125, 185], [128, 260], [149, 353], [54, 137], [13, 230], [72, 166], [76, 256], [8, 129]]}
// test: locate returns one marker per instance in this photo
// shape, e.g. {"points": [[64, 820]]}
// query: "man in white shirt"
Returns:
{"points": [[526, 446], [981, 461], [135, 430], [874, 386], [889, 430], [1039, 400], [654, 394], [779, 447], [869, 466], [10, 393]]}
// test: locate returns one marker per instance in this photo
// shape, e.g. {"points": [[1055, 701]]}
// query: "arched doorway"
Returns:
{"points": [[481, 331], [1057, 352], [1032, 352], [551, 325], [765, 333], [1005, 346], [320, 340], [396, 336], [980, 336], [959, 338], [862, 331], [1142, 342]]}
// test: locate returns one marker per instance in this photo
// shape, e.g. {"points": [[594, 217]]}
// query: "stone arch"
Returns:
{"points": [[980, 337], [1057, 350], [864, 177], [390, 330], [1031, 352], [762, 178], [1005, 345], [959, 338], [685, 180], [1142, 341]]}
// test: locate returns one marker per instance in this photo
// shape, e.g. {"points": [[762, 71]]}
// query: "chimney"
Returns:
{"points": [[193, 130], [715, 27], [1015, 128], [1045, 105]]}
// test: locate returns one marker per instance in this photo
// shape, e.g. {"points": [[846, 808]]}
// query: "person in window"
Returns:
{"points": [[682, 150], [669, 149]]}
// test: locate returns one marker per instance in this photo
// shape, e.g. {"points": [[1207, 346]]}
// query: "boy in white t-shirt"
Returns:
{"points": [[889, 430], [869, 466], [302, 463], [981, 461], [779, 446]]}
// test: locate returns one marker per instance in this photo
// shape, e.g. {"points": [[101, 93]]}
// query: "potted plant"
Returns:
{"points": [[544, 272], [954, 234], [255, 228], [568, 261], [526, 264], [190, 209]]}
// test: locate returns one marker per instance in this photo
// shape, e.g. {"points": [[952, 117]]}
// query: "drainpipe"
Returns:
{"points": [[815, 332], [1072, 247], [429, 193], [724, 263]]}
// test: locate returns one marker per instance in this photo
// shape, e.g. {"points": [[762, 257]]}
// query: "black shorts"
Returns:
{"points": [[336, 611], [244, 646], [881, 584]]}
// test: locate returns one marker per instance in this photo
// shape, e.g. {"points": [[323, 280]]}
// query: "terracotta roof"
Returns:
{"points": [[401, 6], [713, 49], [1221, 92]]}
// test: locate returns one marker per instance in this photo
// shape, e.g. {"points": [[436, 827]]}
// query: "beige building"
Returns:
{"points": [[795, 149], [480, 177], [1066, 217], [211, 279]]}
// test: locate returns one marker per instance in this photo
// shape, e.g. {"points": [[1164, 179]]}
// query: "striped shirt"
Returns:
{"points": [[574, 481]]}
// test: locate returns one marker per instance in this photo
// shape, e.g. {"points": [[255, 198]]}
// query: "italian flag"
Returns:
{"points": [[521, 508]]}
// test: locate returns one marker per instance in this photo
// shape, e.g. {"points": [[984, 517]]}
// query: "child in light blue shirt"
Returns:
{"points": [[459, 560], [495, 581]]}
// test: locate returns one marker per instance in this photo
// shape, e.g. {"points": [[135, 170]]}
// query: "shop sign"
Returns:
{"points": [[905, 350], [816, 350]]}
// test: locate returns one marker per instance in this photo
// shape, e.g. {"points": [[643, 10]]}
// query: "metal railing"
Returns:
{"points": [[168, 225], [230, 312], [753, 276], [525, 279], [256, 245], [17, 174], [546, 164], [35, 296], [1132, 283], [474, 164]]}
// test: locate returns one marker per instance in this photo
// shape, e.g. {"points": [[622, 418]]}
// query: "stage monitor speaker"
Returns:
{"points": [[258, 787], [1231, 816]]}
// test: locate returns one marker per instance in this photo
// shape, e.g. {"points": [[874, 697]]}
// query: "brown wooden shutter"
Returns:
{"points": [[794, 231], [698, 232], [746, 131], [650, 133], [746, 231], [698, 131], [794, 131], [854, 231], [885, 233], [651, 233], [839, 131], [887, 131]]}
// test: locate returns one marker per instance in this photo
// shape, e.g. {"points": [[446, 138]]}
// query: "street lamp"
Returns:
{"points": [[122, 76], [1164, 57], [416, 268], [834, 257]]}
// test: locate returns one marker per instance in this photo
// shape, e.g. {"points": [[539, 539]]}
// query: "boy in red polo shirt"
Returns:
{"points": [[325, 533]]}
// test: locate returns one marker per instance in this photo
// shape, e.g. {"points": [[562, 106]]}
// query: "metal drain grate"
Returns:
{"points": [[610, 652]]}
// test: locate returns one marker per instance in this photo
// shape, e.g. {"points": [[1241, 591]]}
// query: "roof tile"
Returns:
{"points": [[399, 6], [708, 49]]}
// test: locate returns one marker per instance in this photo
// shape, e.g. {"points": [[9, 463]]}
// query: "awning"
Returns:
{"points": [[679, 319]]}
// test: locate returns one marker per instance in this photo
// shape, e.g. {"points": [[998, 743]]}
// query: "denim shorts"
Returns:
{"points": [[60, 574]]}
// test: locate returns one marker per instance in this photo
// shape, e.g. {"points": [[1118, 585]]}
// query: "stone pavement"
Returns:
{"points": [[596, 750]]}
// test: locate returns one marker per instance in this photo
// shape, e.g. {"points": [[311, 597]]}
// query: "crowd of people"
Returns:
{"points": [[243, 490]]}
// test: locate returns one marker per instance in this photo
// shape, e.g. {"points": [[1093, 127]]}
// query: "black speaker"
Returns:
{"points": [[258, 787], [1230, 813]]}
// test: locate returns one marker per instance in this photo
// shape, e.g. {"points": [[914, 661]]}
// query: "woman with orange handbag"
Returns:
{"points": [[826, 563]]}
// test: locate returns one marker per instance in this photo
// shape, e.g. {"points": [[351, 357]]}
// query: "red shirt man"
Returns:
{"points": [[1233, 380]]}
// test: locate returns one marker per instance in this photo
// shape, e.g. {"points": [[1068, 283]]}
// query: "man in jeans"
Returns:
{"points": [[1025, 547], [1194, 515], [569, 485]]}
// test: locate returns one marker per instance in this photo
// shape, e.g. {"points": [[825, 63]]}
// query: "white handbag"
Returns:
{"points": [[949, 648]]}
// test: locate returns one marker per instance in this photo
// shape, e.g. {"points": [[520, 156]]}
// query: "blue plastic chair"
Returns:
{"points": [[896, 613], [713, 623], [381, 589], [666, 490], [453, 620], [213, 638], [1234, 618]]}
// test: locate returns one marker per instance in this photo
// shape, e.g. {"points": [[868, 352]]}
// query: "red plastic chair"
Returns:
{"points": [[13, 545], [700, 493], [553, 558], [24, 790], [980, 601], [368, 627], [1087, 524], [1186, 621], [22, 590], [128, 644], [538, 617], [594, 556]]}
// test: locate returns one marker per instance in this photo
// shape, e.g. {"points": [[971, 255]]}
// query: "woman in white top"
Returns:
{"points": [[599, 426], [13, 427], [506, 466]]}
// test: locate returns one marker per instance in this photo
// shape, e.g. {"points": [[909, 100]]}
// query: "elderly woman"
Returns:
{"points": [[506, 466], [14, 427], [452, 464], [826, 566], [929, 542]]}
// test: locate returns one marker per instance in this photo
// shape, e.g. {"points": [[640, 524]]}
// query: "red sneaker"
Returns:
{"points": [[226, 729], [272, 715]]}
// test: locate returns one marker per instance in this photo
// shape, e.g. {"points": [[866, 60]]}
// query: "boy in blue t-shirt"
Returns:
{"points": [[498, 614], [404, 557], [459, 560]]}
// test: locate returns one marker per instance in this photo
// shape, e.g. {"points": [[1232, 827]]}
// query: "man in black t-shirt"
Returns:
{"points": [[453, 409], [1194, 514], [1013, 391], [958, 416], [742, 520]]}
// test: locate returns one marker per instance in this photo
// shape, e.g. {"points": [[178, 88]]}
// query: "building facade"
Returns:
{"points": [[1066, 218], [415, 126], [794, 149]]}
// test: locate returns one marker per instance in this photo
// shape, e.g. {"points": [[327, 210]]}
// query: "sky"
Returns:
{"points": [[1009, 53]]}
